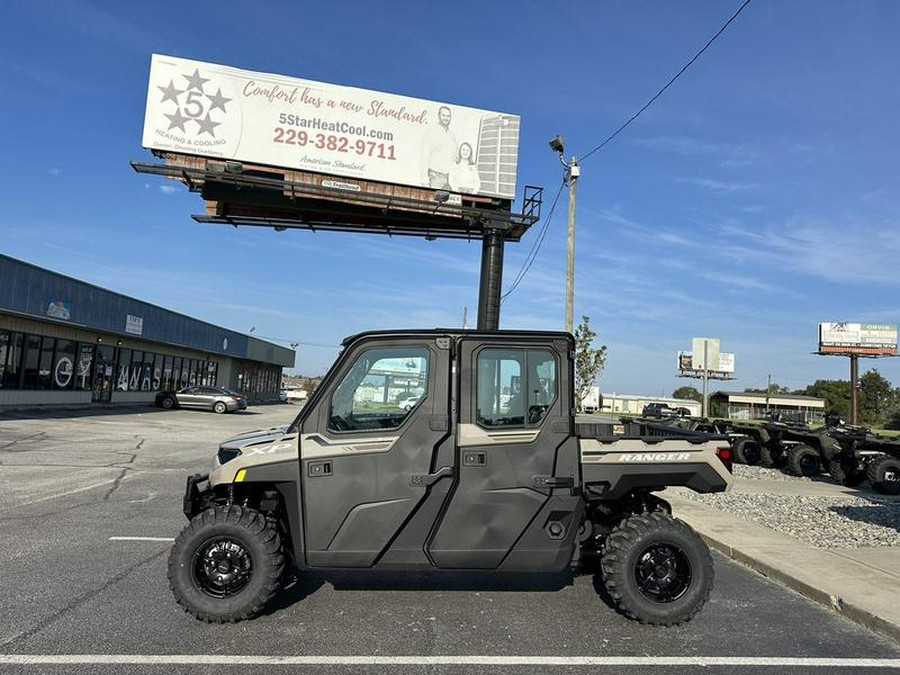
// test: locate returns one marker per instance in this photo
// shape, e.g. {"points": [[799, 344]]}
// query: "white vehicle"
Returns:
{"points": [[408, 403], [295, 395]]}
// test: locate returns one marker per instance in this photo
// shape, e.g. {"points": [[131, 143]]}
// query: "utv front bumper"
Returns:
{"points": [[195, 499]]}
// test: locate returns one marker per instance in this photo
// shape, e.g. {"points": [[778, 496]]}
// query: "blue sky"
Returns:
{"points": [[756, 198]]}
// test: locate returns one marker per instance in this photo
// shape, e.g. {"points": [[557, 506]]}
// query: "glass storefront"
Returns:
{"points": [[29, 361]]}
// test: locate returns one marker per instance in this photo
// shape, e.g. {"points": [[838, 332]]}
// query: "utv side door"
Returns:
{"points": [[369, 466], [514, 503]]}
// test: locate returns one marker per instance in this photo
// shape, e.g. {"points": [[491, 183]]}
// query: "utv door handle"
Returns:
{"points": [[428, 479], [553, 481]]}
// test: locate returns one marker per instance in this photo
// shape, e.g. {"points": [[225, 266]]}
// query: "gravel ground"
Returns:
{"points": [[839, 521]]}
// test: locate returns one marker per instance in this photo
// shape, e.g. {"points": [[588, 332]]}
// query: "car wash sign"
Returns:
{"points": [[220, 112], [866, 339]]}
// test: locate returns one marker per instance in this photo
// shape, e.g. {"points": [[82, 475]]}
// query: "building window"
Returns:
{"points": [[4, 355], [124, 368], [85, 363], [64, 365]]}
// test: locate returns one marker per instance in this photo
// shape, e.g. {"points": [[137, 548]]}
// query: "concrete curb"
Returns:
{"points": [[849, 586], [841, 605]]}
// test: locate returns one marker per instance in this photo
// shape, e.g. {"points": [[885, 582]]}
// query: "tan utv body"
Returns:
{"points": [[488, 471]]}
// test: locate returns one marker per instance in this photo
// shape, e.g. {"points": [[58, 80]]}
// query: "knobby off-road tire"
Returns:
{"points": [[656, 569], [803, 460], [226, 564], [746, 451], [884, 475], [846, 473]]}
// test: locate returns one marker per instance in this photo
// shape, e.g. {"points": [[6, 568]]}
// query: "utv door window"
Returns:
{"points": [[380, 390], [515, 387]]}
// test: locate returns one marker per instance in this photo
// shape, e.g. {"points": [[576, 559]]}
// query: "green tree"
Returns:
{"points": [[589, 362], [688, 393], [835, 393], [877, 399]]}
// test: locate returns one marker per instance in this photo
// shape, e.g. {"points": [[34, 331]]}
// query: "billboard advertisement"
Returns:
{"points": [[216, 111], [871, 339], [688, 367]]}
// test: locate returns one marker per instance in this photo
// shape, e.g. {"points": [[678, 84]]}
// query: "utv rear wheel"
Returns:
{"points": [[657, 569], [746, 451], [803, 460], [226, 564], [884, 475]]}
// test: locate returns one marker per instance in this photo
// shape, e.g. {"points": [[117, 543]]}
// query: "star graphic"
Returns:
{"points": [[207, 125], [218, 101], [195, 81], [170, 93], [177, 120]]}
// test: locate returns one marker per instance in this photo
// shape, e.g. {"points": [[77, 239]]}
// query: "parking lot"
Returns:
{"points": [[92, 500]]}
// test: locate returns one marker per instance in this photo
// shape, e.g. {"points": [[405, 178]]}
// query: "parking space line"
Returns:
{"points": [[168, 539], [67, 494], [542, 661]]}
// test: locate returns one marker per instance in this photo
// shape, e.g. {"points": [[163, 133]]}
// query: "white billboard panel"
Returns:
{"points": [[706, 353], [687, 365], [858, 338], [222, 112]]}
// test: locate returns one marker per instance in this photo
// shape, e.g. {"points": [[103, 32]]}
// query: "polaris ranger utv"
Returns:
{"points": [[488, 470]]}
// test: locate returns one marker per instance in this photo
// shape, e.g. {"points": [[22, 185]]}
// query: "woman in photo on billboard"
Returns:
{"points": [[464, 172]]}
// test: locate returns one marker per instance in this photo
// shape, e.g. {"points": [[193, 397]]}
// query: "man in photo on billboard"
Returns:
{"points": [[439, 152]]}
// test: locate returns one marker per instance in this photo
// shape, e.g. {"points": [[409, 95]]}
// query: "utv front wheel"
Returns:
{"points": [[226, 564], [657, 569], [884, 474]]}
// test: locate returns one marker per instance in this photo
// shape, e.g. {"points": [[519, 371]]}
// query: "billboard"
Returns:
{"points": [[216, 111], [689, 367], [869, 339]]}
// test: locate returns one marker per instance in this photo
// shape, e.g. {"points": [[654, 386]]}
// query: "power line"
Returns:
{"points": [[535, 247], [669, 83]]}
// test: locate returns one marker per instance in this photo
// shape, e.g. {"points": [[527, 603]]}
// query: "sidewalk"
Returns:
{"points": [[859, 583]]}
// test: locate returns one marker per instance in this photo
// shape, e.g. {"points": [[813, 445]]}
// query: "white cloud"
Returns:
{"points": [[718, 185], [168, 189]]}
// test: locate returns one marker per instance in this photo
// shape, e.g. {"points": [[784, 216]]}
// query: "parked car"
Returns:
{"points": [[408, 403], [216, 399], [295, 395], [664, 410]]}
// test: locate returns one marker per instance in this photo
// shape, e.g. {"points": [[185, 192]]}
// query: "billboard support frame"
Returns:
{"points": [[236, 195], [854, 377]]}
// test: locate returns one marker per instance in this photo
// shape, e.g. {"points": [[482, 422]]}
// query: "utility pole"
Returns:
{"points": [[572, 173], [768, 392], [705, 411]]}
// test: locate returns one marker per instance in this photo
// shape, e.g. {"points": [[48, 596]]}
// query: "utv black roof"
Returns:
{"points": [[455, 332]]}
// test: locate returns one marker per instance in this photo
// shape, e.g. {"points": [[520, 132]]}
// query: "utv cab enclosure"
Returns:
{"points": [[488, 470]]}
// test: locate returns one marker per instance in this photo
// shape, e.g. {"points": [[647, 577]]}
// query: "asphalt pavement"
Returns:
{"points": [[859, 583]]}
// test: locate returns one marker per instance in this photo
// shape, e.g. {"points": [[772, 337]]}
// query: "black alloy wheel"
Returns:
{"points": [[662, 573], [222, 567]]}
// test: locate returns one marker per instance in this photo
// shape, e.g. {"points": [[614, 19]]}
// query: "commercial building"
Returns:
{"points": [[629, 404], [744, 405], [64, 342]]}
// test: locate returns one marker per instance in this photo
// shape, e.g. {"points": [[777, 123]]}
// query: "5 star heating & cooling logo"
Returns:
{"points": [[196, 111]]}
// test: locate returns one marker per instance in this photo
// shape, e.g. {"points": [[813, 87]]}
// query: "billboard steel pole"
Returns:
{"points": [[854, 387], [491, 278]]}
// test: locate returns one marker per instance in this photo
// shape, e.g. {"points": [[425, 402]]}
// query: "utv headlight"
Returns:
{"points": [[227, 454]]}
